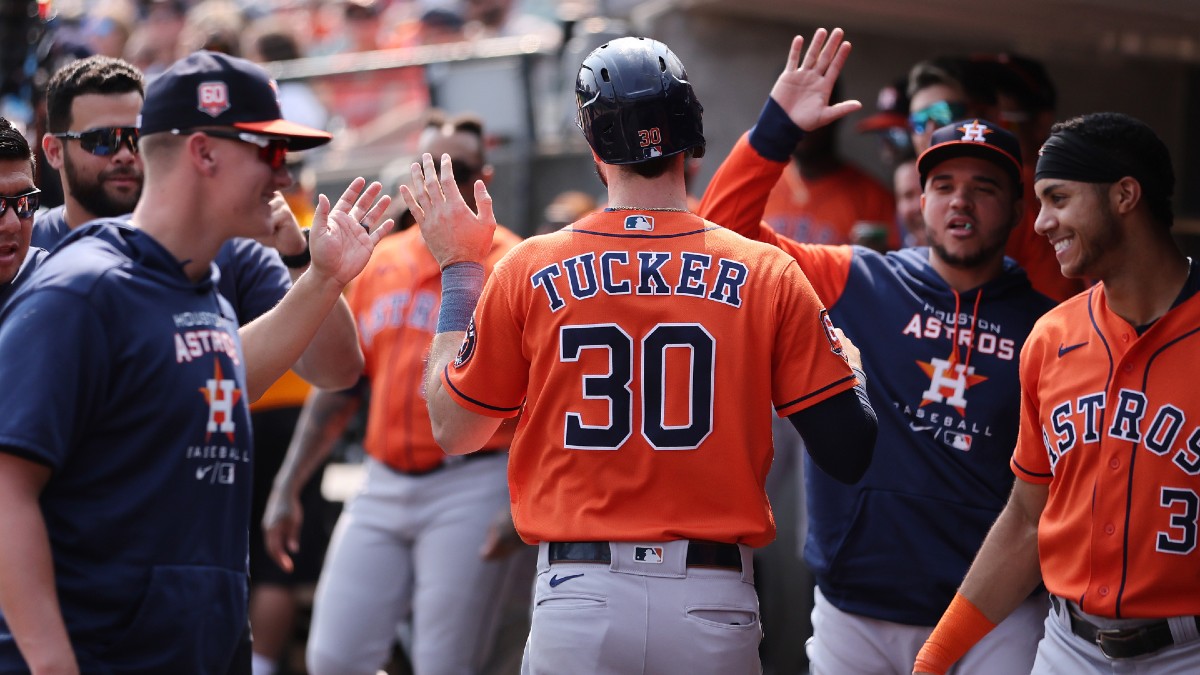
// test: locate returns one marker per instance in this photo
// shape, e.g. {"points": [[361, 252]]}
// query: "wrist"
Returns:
{"points": [[462, 284], [298, 260], [775, 135], [960, 628]]}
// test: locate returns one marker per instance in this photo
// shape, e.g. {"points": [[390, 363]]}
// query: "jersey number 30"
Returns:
{"points": [[614, 387]]}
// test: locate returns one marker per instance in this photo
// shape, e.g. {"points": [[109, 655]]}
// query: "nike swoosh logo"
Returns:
{"points": [[556, 580], [1062, 351], [914, 427], [200, 473]]}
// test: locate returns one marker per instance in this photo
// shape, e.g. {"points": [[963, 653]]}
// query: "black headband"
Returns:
{"points": [[1069, 156]]}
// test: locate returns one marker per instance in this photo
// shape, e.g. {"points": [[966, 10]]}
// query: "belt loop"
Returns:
{"points": [[747, 563], [543, 557], [1184, 629]]}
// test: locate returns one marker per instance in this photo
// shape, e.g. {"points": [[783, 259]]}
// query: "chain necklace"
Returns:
{"points": [[647, 208]]}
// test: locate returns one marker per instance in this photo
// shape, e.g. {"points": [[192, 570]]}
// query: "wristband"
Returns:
{"points": [[462, 284], [961, 627], [301, 259]]}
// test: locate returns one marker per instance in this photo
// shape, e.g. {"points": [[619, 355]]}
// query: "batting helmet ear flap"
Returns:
{"points": [[635, 103]]}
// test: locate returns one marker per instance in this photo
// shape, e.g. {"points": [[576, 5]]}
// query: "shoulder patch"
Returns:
{"points": [[835, 343], [467, 350]]}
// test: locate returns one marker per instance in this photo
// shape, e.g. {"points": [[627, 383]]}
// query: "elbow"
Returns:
{"points": [[451, 441]]}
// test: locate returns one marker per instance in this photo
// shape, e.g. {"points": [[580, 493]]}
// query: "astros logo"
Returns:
{"points": [[948, 383], [221, 395], [975, 132]]}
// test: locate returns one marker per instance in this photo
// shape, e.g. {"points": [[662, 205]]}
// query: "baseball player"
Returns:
{"points": [[409, 542], [644, 348], [124, 450], [1105, 507], [940, 329]]}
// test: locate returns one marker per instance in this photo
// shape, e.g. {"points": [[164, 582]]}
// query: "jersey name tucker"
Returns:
{"points": [[650, 273], [1078, 421]]}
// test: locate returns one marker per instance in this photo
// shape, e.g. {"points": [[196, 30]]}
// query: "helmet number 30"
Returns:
{"points": [[648, 137]]}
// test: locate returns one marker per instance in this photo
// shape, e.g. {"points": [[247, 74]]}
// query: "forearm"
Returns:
{"points": [[323, 420], [457, 430], [274, 342], [27, 593], [839, 433], [333, 359], [736, 197]]}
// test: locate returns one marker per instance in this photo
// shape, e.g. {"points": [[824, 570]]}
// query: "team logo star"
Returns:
{"points": [[948, 383], [222, 395]]}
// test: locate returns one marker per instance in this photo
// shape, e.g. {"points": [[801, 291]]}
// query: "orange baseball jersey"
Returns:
{"points": [[395, 301], [824, 210], [644, 350], [1110, 421]]}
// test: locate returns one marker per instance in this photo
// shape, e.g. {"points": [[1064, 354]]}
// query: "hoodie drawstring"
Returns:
{"points": [[957, 328]]}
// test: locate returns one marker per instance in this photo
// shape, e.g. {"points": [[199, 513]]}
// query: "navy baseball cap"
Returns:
{"points": [[210, 89], [972, 138]]}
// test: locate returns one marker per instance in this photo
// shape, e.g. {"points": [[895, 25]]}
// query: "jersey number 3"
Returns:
{"points": [[614, 387]]}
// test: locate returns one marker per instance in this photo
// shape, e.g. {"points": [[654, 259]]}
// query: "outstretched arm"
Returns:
{"points": [[340, 248], [460, 241], [799, 102], [27, 593], [1004, 573]]}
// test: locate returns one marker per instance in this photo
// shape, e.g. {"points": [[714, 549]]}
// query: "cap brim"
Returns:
{"points": [[950, 149], [299, 137], [882, 120]]}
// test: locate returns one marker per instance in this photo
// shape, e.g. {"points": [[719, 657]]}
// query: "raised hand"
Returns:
{"points": [[452, 231], [804, 87], [342, 238]]}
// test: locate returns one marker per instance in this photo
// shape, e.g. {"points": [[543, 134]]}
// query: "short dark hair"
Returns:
{"points": [[653, 168], [13, 144], [1133, 143], [463, 123], [91, 75]]}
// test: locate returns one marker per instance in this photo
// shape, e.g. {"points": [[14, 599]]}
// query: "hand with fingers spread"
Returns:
{"points": [[804, 87], [452, 231], [342, 238]]}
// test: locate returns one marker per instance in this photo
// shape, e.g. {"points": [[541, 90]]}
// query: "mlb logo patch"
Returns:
{"points": [[640, 223], [959, 441], [213, 98], [648, 554]]}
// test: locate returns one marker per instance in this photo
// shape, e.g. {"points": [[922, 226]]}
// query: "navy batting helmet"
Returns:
{"points": [[635, 103]]}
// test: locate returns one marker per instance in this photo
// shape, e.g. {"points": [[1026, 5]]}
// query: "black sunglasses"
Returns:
{"points": [[23, 204], [104, 141], [272, 151]]}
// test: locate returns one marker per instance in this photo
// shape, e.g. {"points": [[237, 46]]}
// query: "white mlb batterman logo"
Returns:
{"points": [[213, 98], [639, 222], [959, 441], [648, 554]]}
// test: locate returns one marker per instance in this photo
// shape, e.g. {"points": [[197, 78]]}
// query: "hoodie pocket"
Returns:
{"points": [[189, 621]]}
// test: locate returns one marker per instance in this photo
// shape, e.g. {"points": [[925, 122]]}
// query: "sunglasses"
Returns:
{"points": [[939, 114], [23, 204], [272, 151], [104, 141]]}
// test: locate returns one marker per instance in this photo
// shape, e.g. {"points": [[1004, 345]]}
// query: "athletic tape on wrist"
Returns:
{"points": [[961, 627], [462, 284]]}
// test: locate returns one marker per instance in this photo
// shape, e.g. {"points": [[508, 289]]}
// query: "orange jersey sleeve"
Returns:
{"points": [[395, 302], [1114, 430], [736, 198], [647, 352]]}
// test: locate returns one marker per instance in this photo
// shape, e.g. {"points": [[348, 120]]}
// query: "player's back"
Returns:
{"points": [[655, 344]]}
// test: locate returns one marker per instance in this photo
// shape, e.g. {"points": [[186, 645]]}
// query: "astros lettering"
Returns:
{"points": [[193, 344], [613, 273], [1073, 422]]}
